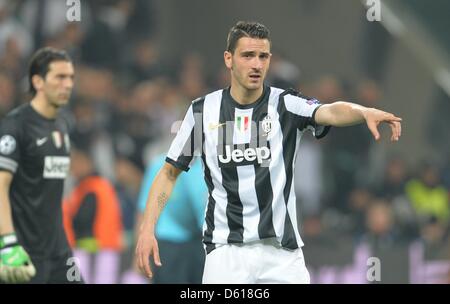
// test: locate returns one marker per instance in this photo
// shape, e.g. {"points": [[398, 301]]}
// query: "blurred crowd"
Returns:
{"points": [[128, 97]]}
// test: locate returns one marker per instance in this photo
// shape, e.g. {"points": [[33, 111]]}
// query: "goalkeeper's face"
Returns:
{"points": [[249, 62], [58, 83]]}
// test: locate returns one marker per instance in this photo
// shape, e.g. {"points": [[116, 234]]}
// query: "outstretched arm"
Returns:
{"points": [[341, 114], [159, 195]]}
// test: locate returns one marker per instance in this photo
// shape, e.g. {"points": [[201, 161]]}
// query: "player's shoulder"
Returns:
{"points": [[16, 115], [19, 111], [276, 92], [295, 93], [198, 100], [197, 104], [210, 97], [12, 124]]}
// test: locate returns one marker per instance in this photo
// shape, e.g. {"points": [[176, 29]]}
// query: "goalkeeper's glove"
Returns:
{"points": [[15, 264]]}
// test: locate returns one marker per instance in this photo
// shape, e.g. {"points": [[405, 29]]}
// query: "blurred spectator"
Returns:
{"points": [[369, 94], [346, 152], [392, 188], [145, 62], [445, 173], [93, 222], [104, 45], [70, 37], [380, 226], [308, 178], [128, 182], [92, 216], [329, 89], [143, 20], [222, 79], [359, 201], [14, 31], [46, 19], [135, 126], [165, 115], [96, 85], [84, 125], [8, 94], [428, 196], [283, 73], [376, 43], [179, 227], [312, 227], [394, 180], [191, 79], [10, 61], [406, 218], [438, 122], [93, 115], [434, 233]]}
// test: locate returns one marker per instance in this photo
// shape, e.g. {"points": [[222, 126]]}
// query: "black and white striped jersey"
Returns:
{"points": [[248, 154]]}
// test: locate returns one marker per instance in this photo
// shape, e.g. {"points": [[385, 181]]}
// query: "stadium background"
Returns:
{"points": [[139, 64]]}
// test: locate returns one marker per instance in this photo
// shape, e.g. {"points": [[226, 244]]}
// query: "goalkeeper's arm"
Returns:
{"points": [[15, 264]]}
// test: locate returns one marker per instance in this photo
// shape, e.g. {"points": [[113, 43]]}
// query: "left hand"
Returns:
{"points": [[374, 117], [15, 264]]}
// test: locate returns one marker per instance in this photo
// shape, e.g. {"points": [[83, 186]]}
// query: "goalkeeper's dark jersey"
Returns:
{"points": [[36, 150]]}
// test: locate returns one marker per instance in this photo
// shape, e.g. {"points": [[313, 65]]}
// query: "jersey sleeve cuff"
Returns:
{"points": [[8, 164], [177, 165], [319, 130]]}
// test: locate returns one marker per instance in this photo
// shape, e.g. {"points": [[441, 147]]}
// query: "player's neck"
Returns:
{"points": [[243, 96], [43, 107]]}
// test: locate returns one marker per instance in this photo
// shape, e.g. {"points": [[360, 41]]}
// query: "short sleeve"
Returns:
{"points": [[187, 142], [304, 110], [9, 145]]}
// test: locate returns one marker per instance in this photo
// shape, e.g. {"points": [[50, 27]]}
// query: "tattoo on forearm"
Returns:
{"points": [[162, 200]]}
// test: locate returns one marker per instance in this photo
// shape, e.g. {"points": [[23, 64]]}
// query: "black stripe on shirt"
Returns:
{"points": [[263, 186], [289, 129], [230, 180]]}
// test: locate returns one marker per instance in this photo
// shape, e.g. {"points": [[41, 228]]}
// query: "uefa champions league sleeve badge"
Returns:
{"points": [[7, 144]]}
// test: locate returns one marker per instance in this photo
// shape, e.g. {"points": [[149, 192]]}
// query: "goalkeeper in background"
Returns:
{"points": [[34, 161]]}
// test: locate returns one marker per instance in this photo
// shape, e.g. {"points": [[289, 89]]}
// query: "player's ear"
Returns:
{"points": [[38, 82], [228, 58]]}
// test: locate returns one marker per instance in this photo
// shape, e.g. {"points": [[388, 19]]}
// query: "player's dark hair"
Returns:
{"points": [[246, 29], [40, 63]]}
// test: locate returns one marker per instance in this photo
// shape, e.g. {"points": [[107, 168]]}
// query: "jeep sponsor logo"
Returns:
{"points": [[56, 167], [242, 156]]}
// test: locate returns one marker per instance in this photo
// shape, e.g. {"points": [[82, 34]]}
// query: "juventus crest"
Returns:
{"points": [[266, 124]]}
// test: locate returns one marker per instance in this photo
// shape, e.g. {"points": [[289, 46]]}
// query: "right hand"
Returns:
{"points": [[147, 245], [15, 264]]}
